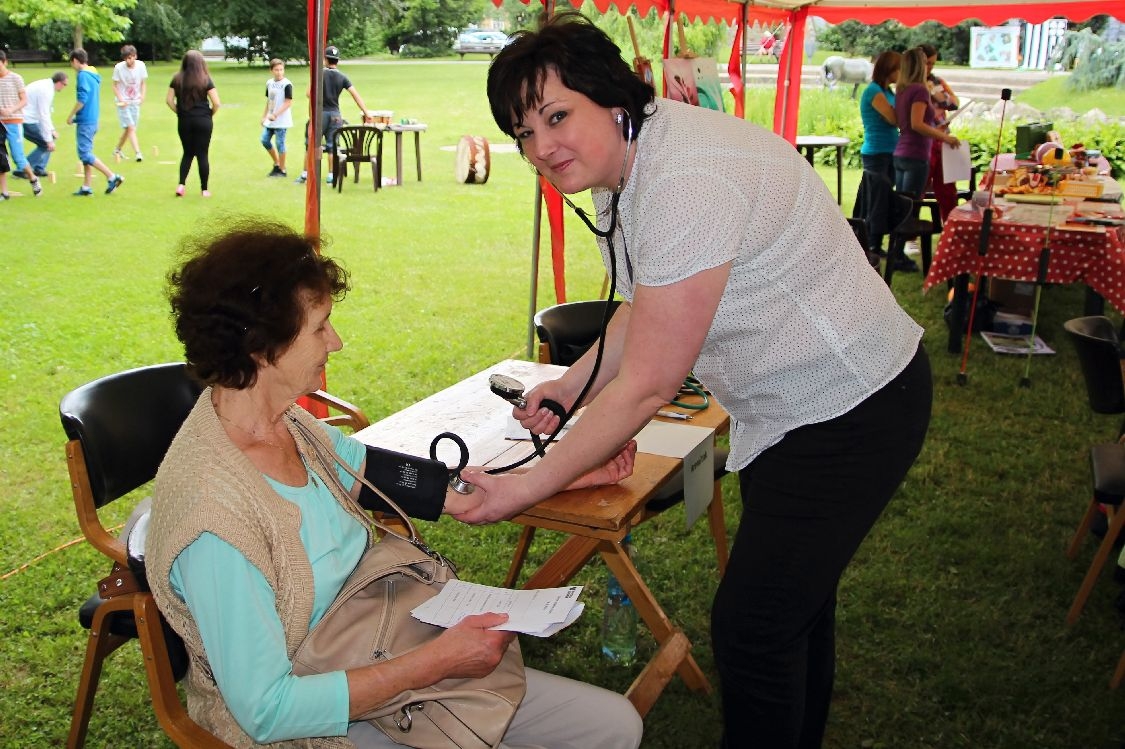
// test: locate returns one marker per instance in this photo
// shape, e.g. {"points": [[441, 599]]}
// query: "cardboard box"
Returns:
{"points": [[1075, 189], [1008, 324], [1013, 297]]}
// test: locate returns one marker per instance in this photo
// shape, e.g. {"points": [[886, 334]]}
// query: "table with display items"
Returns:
{"points": [[1090, 254], [596, 520]]}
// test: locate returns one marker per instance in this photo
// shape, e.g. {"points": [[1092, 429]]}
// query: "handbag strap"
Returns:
{"points": [[325, 454]]}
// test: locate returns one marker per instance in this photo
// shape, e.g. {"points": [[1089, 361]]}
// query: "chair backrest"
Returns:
{"points": [[859, 228], [119, 428], [569, 329], [1099, 354], [356, 143], [125, 422]]}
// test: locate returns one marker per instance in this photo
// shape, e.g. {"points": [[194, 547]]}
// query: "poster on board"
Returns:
{"points": [[997, 47]]}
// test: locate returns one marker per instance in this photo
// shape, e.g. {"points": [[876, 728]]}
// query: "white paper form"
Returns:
{"points": [[956, 163], [541, 613], [696, 447]]}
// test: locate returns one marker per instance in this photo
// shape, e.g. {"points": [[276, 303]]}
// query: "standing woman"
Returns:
{"points": [[880, 136], [918, 125], [734, 262], [192, 96], [944, 100]]}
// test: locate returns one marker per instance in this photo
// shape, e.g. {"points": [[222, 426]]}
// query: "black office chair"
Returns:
{"points": [[565, 332], [1099, 354], [357, 144]]}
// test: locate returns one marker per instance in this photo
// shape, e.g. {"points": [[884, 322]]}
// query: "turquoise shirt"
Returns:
{"points": [[878, 135], [237, 618]]}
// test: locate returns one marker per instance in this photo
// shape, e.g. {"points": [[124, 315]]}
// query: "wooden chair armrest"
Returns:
{"points": [[350, 415]]}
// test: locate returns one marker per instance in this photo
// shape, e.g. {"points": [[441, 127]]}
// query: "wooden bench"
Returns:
{"points": [[31, 55]]}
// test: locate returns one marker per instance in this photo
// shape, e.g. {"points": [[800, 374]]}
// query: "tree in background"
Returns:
{"points": [[98, 20], [855, 39], [1096, 61], [425, 28]]}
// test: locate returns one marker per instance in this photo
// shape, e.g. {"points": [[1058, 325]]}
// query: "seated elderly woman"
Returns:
{"points": [[251, 539]]}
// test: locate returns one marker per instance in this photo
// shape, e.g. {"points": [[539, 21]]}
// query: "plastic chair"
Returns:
{"points": [[357, 144], [119, 428], [565, 332], [1099, 354]]}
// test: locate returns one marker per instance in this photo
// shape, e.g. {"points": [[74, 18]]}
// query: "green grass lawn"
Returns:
{"points": [[1053, 93], [951, 629]]}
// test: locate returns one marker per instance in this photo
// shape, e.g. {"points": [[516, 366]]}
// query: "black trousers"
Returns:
{"points": [[808, 502], [195, 137]]}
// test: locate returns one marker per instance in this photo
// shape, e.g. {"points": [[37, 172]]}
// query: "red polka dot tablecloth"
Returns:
{"points": [[1096, 258]]}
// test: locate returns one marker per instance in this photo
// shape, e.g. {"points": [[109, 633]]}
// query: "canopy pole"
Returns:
{"points": [[317, 31], [536, 218], [743, 17]]}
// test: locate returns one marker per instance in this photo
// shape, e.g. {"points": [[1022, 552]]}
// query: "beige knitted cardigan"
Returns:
{"points": [[206, 484]]}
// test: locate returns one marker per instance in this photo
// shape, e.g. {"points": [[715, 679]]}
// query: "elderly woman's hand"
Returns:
{"points": [[506, 495], [470, 649], [457, 503], [619, 467]]}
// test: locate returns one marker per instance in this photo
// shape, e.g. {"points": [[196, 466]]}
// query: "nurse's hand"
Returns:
{"points": [[540, 420]]}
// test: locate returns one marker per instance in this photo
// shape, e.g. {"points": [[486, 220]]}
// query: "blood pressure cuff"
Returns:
{"points": [[417, 485]]}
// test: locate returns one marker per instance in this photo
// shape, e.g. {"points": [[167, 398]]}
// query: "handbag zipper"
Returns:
{"points": [[385, 623]]}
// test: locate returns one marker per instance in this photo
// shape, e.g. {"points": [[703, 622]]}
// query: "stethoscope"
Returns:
{"points": [[511, 389]]}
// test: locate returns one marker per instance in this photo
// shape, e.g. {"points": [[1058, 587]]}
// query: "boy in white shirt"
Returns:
{"points": [[37, 125], [129, 87], [277, 117]]}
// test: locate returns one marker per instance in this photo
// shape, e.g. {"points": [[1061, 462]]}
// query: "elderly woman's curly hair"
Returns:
{"points": [[239, 299]]}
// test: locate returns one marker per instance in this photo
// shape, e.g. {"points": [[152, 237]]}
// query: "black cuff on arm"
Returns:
{"points": [[417, 485]]}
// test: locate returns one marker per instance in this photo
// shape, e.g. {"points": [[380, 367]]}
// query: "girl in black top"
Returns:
{"points": [[192, 96]]}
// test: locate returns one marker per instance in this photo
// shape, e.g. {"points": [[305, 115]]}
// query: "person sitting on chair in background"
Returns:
{"points": [[735, 263], [880, 136], [333, 83], [252, 535], [944, 100]]}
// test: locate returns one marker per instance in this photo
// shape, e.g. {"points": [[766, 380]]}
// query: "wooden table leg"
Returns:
{"points": [[418, 152], [839, 175], [564, 564], [618, 561], [398, 157], [648, 685], [957, 321]]}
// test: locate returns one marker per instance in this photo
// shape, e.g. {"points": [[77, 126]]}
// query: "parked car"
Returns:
{"points": [[487, 42]]}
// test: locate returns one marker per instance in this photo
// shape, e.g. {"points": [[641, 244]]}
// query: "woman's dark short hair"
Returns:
{"points": [[885, 65], [586, 61], [241, 297]]}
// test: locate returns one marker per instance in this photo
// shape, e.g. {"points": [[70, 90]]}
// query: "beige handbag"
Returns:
{"points": [[370, 622]]}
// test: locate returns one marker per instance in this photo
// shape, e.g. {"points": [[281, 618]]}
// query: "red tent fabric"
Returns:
{"points": [[795, 14]]}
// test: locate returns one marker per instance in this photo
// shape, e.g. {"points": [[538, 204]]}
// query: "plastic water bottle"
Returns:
{"points": [[619, 621]]}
